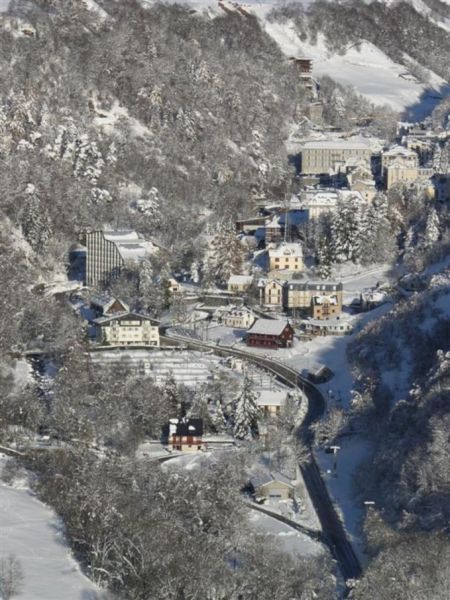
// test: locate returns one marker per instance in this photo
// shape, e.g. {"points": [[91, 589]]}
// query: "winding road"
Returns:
{"points": [[334, 534]]}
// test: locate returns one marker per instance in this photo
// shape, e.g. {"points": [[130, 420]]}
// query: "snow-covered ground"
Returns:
{"points": [[32, 532], [188, 368], [290, 539]]}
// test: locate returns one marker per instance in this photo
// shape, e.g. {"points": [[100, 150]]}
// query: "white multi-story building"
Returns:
{"points": [[109, 251], [127, 329], [326, 156]]}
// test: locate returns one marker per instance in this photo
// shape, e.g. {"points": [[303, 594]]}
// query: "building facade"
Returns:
{"points": [[127, 329], [301, 295], [109, 251], [273, 292], [288, 256], [325, 156], [270, 333], [238, 318], [396, 173]]}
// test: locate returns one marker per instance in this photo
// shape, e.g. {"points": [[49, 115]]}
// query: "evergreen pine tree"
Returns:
{"points": [[432, 230], [171, 396], [245, 411]]}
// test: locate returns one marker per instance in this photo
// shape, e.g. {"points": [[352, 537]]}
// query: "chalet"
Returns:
{"points": [[238, 284], [270, 333], [271, 485], [106, 306], [127, 329], [185, 435]]}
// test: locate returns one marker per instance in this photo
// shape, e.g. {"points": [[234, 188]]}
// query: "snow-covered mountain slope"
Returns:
{"points": [[366, 68]]}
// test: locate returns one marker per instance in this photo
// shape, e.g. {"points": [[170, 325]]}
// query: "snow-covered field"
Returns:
{"points": [[32, 532]]}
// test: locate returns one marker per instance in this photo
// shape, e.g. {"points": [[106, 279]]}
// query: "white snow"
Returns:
{"points": [[32, 532], [290, 539]]}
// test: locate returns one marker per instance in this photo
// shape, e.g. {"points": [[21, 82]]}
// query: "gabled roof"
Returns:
{"points": [[268, 327], [287, 249], [122, 316], [105, 301], [185, 427], [262, 478]]}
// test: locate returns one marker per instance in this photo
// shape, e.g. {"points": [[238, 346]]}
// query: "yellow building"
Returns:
{"points": [[397, 173], [274, 486], [288, 255], [273, 292], [301, 295]]}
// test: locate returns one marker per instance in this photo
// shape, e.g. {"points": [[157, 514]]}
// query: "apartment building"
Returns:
{"points": [[325, 156], [109, 251], [313, 296], [397, 173], [127, 329]]}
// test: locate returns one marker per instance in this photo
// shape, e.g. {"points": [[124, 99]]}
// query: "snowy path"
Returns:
{"points": [[31, 531]]}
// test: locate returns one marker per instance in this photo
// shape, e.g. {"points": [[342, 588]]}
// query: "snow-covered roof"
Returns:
{"points": [[271, 398], [325, 299], [398, 150], [268, 326], [131, 247], [124, 315], [240, 280], [104, 301], [324, 286], [262, 478], [287, 249], [336, 144]]}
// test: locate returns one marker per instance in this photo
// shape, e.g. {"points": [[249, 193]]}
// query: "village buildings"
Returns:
{"points": [[127, 329]]}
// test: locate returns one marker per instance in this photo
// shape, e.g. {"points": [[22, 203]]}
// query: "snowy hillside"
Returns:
{"points": [[367, 68], [370, 71]]}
